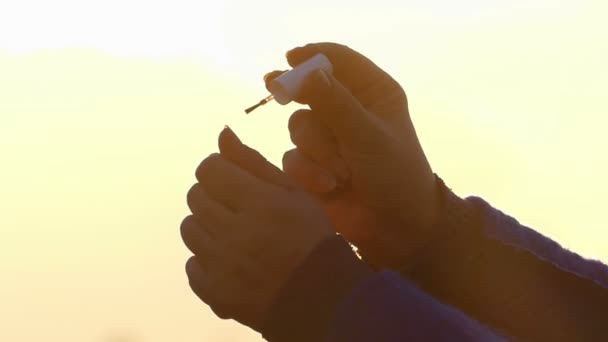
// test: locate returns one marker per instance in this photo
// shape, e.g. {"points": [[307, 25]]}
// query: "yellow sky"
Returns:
{"points": [[106, 108]]}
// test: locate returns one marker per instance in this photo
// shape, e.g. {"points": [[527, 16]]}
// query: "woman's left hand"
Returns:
{"points": [[250, 228]]}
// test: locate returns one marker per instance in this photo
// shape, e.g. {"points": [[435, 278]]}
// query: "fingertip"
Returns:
{"points": [[228, 133], [228, 140], [300, 54], [294, 53], [271, 76], [232, 148]]}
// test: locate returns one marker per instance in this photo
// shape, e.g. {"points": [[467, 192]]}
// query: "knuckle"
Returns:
{"points": [[190, 263], [395, 92], [190, 239], [185, 233], [223, 307], [339, 46], [192, 194], [221, 311], [290, 161], [187, 222], [298, 118]]}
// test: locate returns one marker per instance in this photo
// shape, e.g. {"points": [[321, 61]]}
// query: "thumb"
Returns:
{"points": [[251, 160], [340, 111]]}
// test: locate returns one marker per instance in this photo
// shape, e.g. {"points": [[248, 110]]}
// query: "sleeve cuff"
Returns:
{"points": [[307, 303], [460, 225], [445, 265]]}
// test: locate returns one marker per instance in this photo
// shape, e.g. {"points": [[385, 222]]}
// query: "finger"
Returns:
{"points": [[202, 284], [308, 174], [364, 79], [271, 76], [341, 112], [196, 238], [250, 160], [311, 136], [228, 184], [352, 68], [206, 210], [314, 140]]}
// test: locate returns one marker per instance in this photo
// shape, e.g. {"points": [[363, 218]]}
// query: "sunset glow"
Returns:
{"points": [[107, 107]]}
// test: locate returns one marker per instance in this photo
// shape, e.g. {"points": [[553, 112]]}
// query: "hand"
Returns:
{"points": [[250, 228], [358, 132]]}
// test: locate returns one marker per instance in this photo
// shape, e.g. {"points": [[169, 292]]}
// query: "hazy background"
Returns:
{"points": [[107, 107]]}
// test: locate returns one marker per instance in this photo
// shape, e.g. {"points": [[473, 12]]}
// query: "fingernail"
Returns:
{"points": [[327, 182], [231, 134]]}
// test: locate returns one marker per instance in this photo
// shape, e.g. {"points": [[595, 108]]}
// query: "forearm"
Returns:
{"points": [[512, 278], [387, 308]]}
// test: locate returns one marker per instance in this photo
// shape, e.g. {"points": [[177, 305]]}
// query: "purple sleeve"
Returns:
{"points": [[512, 278], [507, 230], [486, 270], [385, 307], [334, 296]]}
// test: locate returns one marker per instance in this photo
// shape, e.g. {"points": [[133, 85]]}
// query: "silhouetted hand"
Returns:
{"points": [[250, 228], [358, 133]]}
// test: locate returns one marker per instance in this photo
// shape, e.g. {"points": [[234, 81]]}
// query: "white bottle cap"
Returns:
{"points": [[287, 86]]}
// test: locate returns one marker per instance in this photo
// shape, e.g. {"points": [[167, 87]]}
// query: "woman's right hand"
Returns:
{"points": [[358, 133]]}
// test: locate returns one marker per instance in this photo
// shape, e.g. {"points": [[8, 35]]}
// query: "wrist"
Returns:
{"points": [[454, 215], [448, 264], [405, 239]]}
